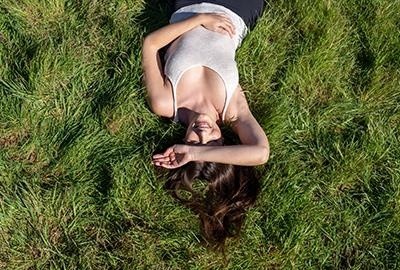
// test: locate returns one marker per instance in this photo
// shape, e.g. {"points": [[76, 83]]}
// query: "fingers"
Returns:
{"points": [[167, 152], [224, 31], [158, 156], [161, 161], [164, 155], [174, 157], [228, 25], [165, 159], [162, 158], [168, 164], [221, 23]]}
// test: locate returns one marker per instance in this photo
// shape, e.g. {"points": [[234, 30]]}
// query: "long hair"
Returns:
{"points": [[230, 190]]}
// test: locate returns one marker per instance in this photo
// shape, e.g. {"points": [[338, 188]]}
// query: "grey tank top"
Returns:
{"points": [[202, 47]]}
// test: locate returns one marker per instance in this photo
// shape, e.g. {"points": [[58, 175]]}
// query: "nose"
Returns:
{"points": [[202, 137]]}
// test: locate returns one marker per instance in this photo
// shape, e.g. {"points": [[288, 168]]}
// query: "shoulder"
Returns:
{"points": [[238, 107], [163, 103], [246, 126]]}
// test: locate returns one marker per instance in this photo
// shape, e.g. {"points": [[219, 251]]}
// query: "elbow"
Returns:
{"points": [[159, 107], [149, 42], [155, 106], [264, 154]]}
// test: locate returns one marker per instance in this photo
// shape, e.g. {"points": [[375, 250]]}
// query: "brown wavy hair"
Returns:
{"points": [[221, 206]]}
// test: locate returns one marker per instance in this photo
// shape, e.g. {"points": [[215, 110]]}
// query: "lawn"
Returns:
{"points": [[78, 191]]}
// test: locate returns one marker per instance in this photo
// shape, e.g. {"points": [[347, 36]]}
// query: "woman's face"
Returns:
{"points": [[202, 130]]}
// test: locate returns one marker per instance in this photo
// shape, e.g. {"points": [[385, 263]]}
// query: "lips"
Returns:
{"points": [[201, 125]]}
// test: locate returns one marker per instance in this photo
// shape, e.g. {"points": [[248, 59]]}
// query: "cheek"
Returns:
{"points": [[188, 132], [190, 136], [217, 133]]}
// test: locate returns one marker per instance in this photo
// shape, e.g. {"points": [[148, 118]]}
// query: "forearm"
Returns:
{"points": [[157, 89], [244, 155], [169, 33]]}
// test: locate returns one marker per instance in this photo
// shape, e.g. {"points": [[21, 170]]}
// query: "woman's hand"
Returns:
{"points": [[218, 22], [174, 157]]}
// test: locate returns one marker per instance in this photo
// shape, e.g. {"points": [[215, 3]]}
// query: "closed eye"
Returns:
{"points": [[191, 142], [217, 142]]}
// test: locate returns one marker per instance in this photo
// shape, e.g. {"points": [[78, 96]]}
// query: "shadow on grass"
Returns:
{"points": [[155, 14], [365, 58], [18, 50], [102, 157]]}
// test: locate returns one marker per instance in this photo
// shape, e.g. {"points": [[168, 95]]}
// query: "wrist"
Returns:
{"points": [[193, 153]]}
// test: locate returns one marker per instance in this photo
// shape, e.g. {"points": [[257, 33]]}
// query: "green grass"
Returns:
{"points": [[77, 190]]}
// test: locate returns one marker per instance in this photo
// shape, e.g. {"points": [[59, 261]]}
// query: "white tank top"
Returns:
{"points": [[202, 47]]}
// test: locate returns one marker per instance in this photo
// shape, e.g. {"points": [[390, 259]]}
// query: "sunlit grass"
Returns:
{"points": [[77, 190]]}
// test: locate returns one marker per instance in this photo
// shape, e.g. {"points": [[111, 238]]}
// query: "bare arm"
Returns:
{"points": [[244, 155], [253, 151], [158, 90]]}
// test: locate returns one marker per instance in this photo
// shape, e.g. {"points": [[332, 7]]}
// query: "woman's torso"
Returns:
{"points": [[201, 63]]}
